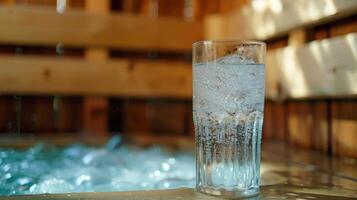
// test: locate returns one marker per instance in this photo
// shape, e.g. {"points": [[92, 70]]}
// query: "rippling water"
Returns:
{"points": [[79, 168]]}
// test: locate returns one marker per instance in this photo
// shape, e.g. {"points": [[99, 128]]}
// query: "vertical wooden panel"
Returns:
{"points": [[171, 8], [76, 3], [167, 117], [8, 2], [344, 127], [279, 118], [95, 109], [307, 124], [299, 124], [135, 116], [268, 128], [190, 128], [37, 115], [69, 118], [320, 137], [297, 38], [7, 114]]}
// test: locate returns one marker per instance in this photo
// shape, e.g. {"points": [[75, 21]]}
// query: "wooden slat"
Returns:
{"points": [[268, 128], [37, 115], [7, 114], [69, 116], [167, 117], [322, 68], [43, 26], [344, 128], [136, 116], [307, 124], [344, 26], [271, 21], [34, 75], [279, 119], [248, 23]]}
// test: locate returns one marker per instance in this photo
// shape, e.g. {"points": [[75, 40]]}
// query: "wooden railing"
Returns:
{"points": [[120, 77], [44, 26]]}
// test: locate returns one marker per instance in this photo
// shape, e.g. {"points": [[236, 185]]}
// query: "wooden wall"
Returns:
{"points": [[326, 123]]}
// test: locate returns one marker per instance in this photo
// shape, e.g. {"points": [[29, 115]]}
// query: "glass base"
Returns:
{"points": [[229, 194]]}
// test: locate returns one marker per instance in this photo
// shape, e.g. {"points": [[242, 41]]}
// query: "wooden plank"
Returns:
{"points": [[268, 128], [268, 19], [95, 115], [320, 126], [69, 116], [344, 128], [318, 33], [28, 25], [136, 116], [95, 109], [297, 38], [69, 76], [167, 117], [173, 8], [279, 118], [307, 124], [37, 115], [321, 68], [7, 115], [215, 27], [299, 124], [344, 26]]}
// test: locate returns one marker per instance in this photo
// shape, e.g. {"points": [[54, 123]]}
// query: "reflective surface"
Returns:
{"points": [[287, 173]]}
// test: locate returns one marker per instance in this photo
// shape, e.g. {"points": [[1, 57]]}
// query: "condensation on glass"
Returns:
{"points": [[228, 106]]}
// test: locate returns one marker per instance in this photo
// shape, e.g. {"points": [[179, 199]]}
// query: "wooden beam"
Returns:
{"points": [[43, 26], [69, 76], [297, 37]]}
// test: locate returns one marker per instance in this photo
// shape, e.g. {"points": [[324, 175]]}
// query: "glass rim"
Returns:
{"points": [[248, 42]]}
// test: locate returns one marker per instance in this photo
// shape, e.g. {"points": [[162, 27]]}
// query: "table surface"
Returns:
{"points": [[286, 173]]}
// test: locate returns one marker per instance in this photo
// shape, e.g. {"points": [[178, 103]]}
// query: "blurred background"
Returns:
{"points": [[92, 68]]}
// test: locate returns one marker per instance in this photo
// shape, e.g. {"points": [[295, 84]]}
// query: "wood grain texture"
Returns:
{"points": [[37, 115], [299, 124], [344, 26], [268, 126], [344, 127], [167, 117], [135, 116], [29, 24], [321, 68], [307, 124], [31, 75], [268, 23], [69, 117], [7, 114]]}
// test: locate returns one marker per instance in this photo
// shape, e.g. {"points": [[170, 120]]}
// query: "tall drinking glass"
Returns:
{"points": [[228, 106]]}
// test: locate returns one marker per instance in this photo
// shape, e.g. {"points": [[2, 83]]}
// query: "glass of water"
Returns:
{"points": [[228, 106]]}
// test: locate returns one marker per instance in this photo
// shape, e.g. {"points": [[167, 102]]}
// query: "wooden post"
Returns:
{"points": [[95, 108], [297, 37]]}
